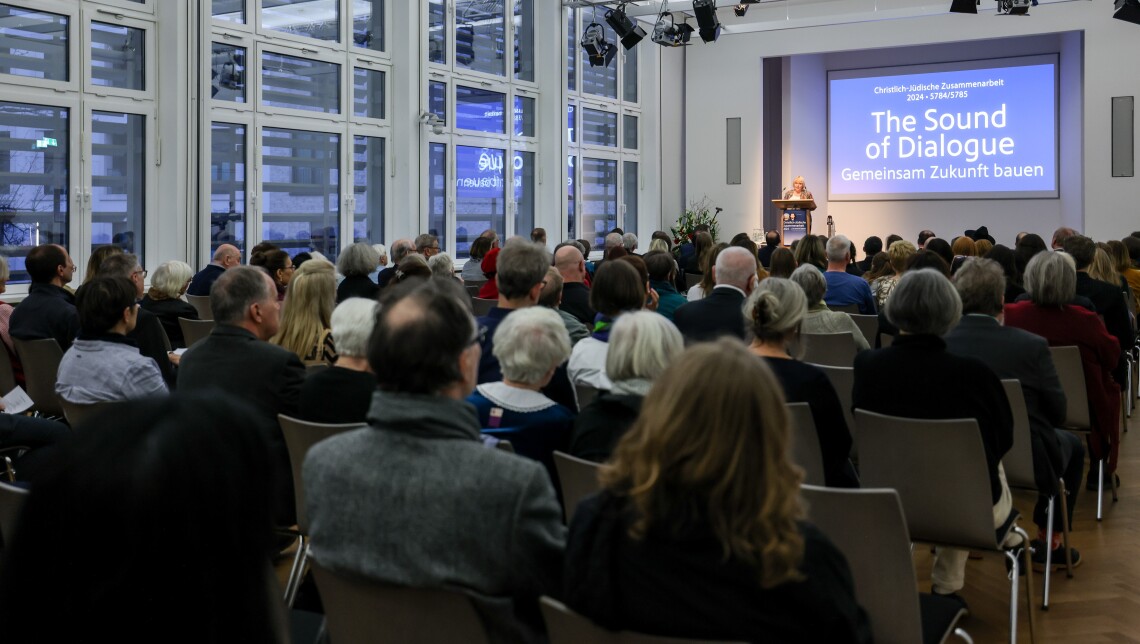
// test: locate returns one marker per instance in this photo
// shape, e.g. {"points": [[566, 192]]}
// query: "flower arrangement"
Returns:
{"points": [[698, 213]]}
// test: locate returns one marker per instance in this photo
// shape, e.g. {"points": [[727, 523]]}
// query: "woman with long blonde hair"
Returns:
{"points": [[307, 313], [698, 530]]}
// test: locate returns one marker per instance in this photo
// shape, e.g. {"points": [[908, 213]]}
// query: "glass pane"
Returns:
{"points": [[524, 192], [437, 99], [437, 192], [524, 116], [598, 80], [318, 19], [437, 35], [599, 199], [227, 186], [571, 203], [629, 194], [228, 10], [300, 83], [300, 190], [480, 196], [368, 93], [571, 125], [368, 186], [599, 128], [34, 180], [227, 73], [118, 180], [629, 76], [33, 43], [524, 40], [118, 56], [629, 132], [368, 24], [480, 110], [480, 36], [571, 49]]}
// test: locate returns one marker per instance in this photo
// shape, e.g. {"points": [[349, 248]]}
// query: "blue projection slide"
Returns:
{"points": [[950, 133]]}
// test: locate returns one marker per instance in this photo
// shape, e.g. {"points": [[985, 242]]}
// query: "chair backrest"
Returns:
{"points": [[300, 435], [7, 375], [844, 308], [77, 414], [202, 304], [939, 470], [1071, 371], [1018, 461], [837, 349], [868, 325], [359, 611], [11, 502], [482, 306], [843, 381], [564, 626], [504, 446], [195, 330], [40, 359], [474, 287], [578, 478], [586, 394], [805, 450], [869, 528], [885, 340], [692, 279]]}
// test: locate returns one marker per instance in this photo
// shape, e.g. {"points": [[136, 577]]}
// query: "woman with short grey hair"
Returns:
{"points": [[929, 305], [356, 263], [164, 299], [819, 318], [1051, 279], [442, 267], [343, 392]]}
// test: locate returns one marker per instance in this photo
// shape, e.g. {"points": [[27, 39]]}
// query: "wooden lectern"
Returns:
{"points": [[795, 218]]}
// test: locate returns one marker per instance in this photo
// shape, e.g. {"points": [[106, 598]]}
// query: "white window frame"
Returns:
{"points": [[151, 60], [75, 44]]}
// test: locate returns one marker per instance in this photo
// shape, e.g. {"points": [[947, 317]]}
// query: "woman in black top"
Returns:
{"points": [[357, 263], [164, 299]]}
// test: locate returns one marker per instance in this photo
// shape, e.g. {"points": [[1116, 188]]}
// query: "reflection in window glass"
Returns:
{"points": [[318, 19], [118, 180], [33, 43], [437, 192], [227, 73], [571, 48], [629, 132], [571, 125], [480, 110], [524, 40], [629, 195], [118, 56], [300, 190], [480, 194], [368, 187], [227, 186], [300, 83], [33, 180], [524, 192], [599, 128], [599, 199], [437, 99], [571, 203], [368, 24], [524, 116], [228, 10], [437, 33], [629, 76], [480, 36], [598, 80], [368, 93]]}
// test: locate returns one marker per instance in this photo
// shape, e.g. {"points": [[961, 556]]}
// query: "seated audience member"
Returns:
{"points": [[472, 271], [642, 346], [926, 381], [306, 315], [427, 245], [103, 365], [279, 265], [662, 273], [401, 248], [443, 267], [1017, 354], [1050, 280], [879, 266], [5, 324], [771, 243], [629, 242], [871, 246], [891, 239], [148, 333], [708, 282], [96, 260], [571, 265], [356, 263], [782, 264], [962, 248], [810, 250], [702, 242], [1103, 268], [718, 313], [897, 256], [617, 289], [852, 267], [225, 257], [1060, 235], [819, 318], [982, 246], [139, 488], [343, 392], [1005, 258], [504, 542], [237, 358], [662, 245], [490, 266], [49, 310], [921, 259], [412, 266], [164, 299], [941, 248], [538, 236], [1028, 246], [775, 311], [844, 289], [1129, 269], [551, 298], [699, 534], [529, 344], [382, 251], [1105, 296], [924, 237]]}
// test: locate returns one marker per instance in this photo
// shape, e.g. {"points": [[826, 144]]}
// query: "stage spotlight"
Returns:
{"points": [[594, 43], [669, 34], [740, 9], [964, 6], [1013, 7], [629, 32], [708, 25], [1128, 11]]}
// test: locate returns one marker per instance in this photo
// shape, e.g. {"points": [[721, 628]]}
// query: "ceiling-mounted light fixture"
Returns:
{"points": [[1014, 7], [964, 6], [667, 32], [594, 43], [629, 32], [1128, 11], [708, 25]]}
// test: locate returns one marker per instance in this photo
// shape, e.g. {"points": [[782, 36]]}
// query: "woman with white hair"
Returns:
{"points": [[642, 346], [164, 299], [343, 392], [529, 344], [819, 318], [357, 263], [442, 267]]}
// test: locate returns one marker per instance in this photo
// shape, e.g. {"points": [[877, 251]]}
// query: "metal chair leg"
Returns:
{"points": [[1028, 585], [1048, 556], [293, 571], [963, 635], [1100, 490], [1013, 575], [1065, 530], [304, 562]]}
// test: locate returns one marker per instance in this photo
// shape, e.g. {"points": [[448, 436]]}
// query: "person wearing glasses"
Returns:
{"points": [[427, 245], [148, 333], [49, 309]]}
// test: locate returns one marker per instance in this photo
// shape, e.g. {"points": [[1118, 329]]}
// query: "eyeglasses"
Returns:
{"points": [[140, 272], [480, 336]]}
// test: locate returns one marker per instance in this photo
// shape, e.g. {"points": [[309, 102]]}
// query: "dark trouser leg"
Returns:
{"points": [[39, 434], [1072, 473]]}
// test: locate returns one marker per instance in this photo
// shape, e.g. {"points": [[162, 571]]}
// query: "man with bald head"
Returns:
{"points": [[401, 248], [49, 310], [226, 257], [571, 266], [719, 312]]}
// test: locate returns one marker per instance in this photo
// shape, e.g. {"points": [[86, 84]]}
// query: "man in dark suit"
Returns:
{"points": [[227, 256], [871, 246], [1018, 354], [571, 266], [236, 358], [771, 243], [1107, 298], [719, 313]]}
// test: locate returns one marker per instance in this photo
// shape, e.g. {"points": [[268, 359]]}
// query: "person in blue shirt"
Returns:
{"points": [[844, 289]]}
